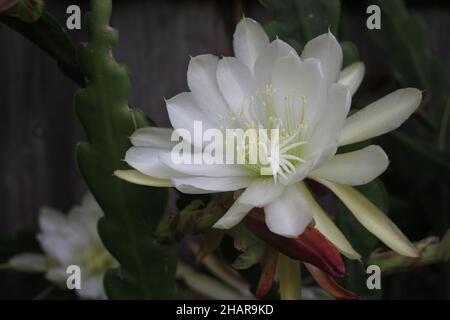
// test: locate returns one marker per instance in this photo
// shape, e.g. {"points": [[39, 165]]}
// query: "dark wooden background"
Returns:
{"points": [[38, 127]]}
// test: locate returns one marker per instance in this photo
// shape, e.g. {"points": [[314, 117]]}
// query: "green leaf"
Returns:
{"points": [[309, 18], [131, 212]]}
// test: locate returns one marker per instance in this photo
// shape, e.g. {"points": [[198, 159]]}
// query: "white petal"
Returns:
{"points": [[299, 87], [29, 262], [152, 137], [266, 61], [352, 76], [235, 82], [209, 170], [289, 214], [136, 177], [372, 218], [249, 41], [183, 110], [57, 275], [261, 192], [233, 216], [202, 81], [57, 246], [354, 168], [383, 115], [51, 220], [327, 227], [147, 161], [329, 52], [323, 140], [92, 287], [210, 184]]}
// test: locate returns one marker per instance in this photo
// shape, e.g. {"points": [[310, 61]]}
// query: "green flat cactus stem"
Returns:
{"points": [[131, 212], [46, 33]]}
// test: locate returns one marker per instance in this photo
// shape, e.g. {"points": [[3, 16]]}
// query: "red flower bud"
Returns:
{"points": [[311, 246]]}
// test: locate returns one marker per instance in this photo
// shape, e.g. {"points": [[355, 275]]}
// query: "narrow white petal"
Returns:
{"points": [[147, 161], [266, 61], [354, 168], [372, 218], [329, 52], [289, 214], [261, 192], [352, 76], [152, 137], [249, 41], [233, 216], [210, 184], [383, 115], [202, 81], [136, 177], [327, 227], [29, 262], [57, 275], [235, 82]]}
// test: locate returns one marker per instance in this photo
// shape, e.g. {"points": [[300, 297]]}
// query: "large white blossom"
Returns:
{"points": [[307, 97]]}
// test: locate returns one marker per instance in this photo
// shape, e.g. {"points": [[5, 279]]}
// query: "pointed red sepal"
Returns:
{"points": [[327, 283], [268, 264], [311, 246]]}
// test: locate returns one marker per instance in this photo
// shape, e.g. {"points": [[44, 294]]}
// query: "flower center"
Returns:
{"points": [[96, 259], [280, 131]]}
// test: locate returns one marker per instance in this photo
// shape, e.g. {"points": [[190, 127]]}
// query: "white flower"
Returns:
{"points": [[267, 85], [70, 240]]}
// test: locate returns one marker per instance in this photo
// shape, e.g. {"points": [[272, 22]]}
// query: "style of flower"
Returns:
{"points": [[307, 98], [70, 240]]}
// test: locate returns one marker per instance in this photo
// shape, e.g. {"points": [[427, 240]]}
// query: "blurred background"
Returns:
{"points": [[39, 128]]}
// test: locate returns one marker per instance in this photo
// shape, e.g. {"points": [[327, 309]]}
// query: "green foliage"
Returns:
{"points": [[46, 33], [131, 212], [298, 21], [309, 18], [405, 39]]}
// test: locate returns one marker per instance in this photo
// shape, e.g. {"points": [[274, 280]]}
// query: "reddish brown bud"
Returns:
{"points": [[268, 264], [327, 283], [311, 246]]}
